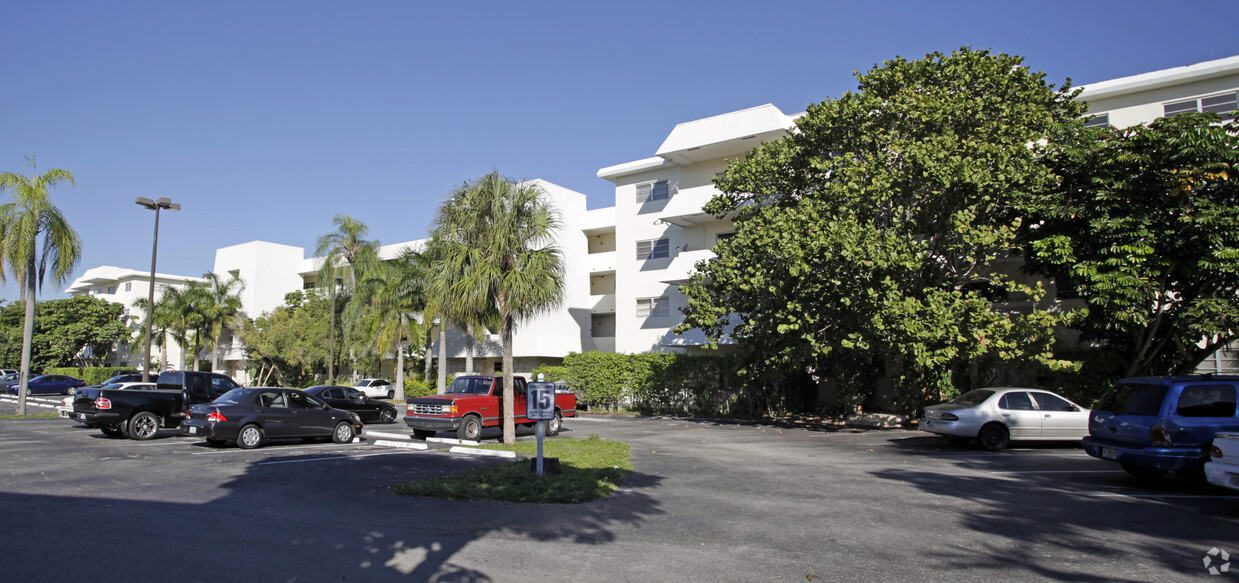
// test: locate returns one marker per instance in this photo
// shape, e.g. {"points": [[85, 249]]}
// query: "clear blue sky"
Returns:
{"points": [[264, 119]]}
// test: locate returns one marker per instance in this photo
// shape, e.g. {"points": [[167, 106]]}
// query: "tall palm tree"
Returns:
{"points": [[387, 295], [223, 304], [183, 308], [31, 217], [499, 248], [161, 322], [346, 250]]}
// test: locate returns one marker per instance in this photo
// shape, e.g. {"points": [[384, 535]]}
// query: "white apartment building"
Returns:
{"points": [[625, 262]]}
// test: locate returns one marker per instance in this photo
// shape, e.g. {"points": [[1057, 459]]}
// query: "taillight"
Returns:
{"points": [[216, 416], [1159, 436], [1215, 452], [102, 403], [949, 417]]}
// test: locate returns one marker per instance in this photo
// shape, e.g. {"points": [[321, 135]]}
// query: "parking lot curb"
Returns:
{"points": [[401, 444], [483, 452]]}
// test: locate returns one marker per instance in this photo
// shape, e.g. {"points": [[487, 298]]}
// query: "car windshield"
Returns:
{"points": [[972, 398], [1133, 399], [231, 397], [470, 386]]}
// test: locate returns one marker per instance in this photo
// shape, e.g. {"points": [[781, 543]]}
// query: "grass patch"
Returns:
{"points": [[30, 416], [589, 469]]}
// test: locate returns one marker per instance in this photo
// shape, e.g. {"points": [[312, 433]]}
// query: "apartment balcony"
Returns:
{"points": [[684, 209], [682, 267], [602, 304], [601, 263], [604, 343]]}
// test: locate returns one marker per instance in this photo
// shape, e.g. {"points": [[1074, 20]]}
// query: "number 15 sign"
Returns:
{"points": [[540, 401]]}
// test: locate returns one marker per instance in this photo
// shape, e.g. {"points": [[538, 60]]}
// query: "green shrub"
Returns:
{"points": [[93, 375]]}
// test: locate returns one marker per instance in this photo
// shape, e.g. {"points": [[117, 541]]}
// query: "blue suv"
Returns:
{"points": [[1154, 425]]}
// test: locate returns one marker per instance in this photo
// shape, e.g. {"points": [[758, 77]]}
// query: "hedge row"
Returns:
{"points": [[93, 375], [652, 383]]}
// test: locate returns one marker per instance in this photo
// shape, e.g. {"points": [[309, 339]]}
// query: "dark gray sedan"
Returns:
{"points": [[251, 416]]}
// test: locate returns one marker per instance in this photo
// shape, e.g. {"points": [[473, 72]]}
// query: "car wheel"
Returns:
{"points": [[1142, 473], [29, 392], [423, 433], [470, 428], [387, 415], [343, 432], [143, 426], [249, 437], [216, 442], [112, 430], [554, 425], [956, 440], [391, 394], [994, 437], [71, 391]]}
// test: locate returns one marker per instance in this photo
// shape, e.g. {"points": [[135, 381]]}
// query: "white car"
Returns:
{"points": [[377, 388], [998, 415], [65, 409], [1222, 468]]}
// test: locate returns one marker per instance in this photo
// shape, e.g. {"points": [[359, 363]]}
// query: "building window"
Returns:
{"points": [[112, 289], [721, 236], [1098, 121], [128, 286], [1219, 104], [653, 307], [653, 249], [660, 190]]}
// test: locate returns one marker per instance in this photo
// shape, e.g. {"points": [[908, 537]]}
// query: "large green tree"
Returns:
{"points": [[76, 331], [345, 253], [1145, 227], [223, 303], [498, 251], [292, 337], [34, 237], [879, 232], [387, 297]]}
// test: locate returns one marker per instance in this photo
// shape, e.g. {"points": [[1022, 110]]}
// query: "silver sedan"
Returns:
{"points": [[998, 415]]}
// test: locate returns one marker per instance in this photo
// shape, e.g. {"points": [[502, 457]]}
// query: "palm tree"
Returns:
{"points": [[347, 246], [183, 308], [30, 216], [387, 295], [224, 303], [499, 251], [161, 322]]}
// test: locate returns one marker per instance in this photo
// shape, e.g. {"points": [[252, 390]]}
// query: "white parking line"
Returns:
{"points": [[327, 459], [1060, 472]]}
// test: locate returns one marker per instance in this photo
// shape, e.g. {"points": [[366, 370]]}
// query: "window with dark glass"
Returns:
{"points": [[1098, 121], [1016, 401], [1207, 401], [653, 249], [660, 190]]}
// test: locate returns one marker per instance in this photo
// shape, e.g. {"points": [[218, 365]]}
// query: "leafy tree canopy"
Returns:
{"points": [[294, 338], [1145, 227], [880, 230], [78, 331]]}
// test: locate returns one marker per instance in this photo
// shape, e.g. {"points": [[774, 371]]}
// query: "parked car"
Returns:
{"points": [[377, 388], [1222, 469], [49, 384], [352, 399], [253, 415], [1154, 425], [7, 371], [474, 402], [126, 377], [998, 415], [66, 404], [140, 414]]}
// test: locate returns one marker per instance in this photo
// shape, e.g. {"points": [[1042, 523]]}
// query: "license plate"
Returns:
{"points": [[1109, 453], [193, 430]]}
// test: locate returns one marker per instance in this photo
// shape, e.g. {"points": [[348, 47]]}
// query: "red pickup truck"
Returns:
{"points": [[474, 402]]}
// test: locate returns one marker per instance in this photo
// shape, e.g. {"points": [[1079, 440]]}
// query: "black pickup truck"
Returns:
{"points": [[139, 413]]}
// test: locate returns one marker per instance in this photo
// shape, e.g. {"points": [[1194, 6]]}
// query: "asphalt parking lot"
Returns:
{"points": [[718, 501]]}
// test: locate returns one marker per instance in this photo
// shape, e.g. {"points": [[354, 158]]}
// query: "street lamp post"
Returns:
{"points": [[155, 205]]}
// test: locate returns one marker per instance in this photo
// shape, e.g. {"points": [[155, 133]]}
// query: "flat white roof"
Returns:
{"points": [[1164, 78]]}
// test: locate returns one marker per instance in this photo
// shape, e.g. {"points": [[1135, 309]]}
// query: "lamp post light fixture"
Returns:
{"points": [[155, 205]]}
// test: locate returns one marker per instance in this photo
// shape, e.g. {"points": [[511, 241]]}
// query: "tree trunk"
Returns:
{"points": [[331, 349], [27, 340], [429, 356], [442, 355], [509, 417], [469, 348], [215, 351], [400, 357]]}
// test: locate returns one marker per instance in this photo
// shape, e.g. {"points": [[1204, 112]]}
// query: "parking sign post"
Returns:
{"points": [[540, 407]]}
